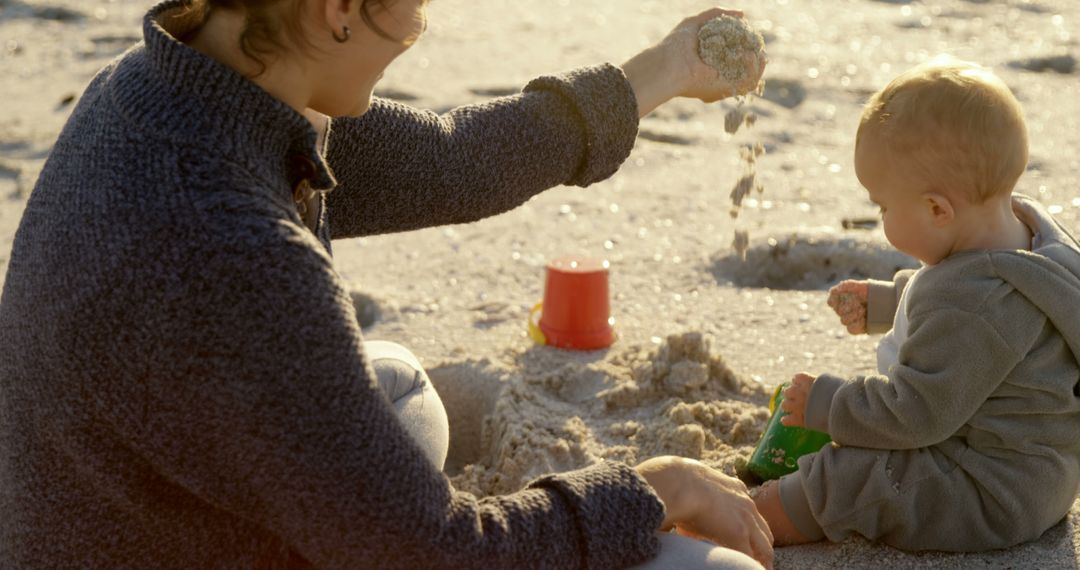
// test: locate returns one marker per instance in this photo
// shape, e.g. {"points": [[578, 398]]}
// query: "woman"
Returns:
{"points": [[184, 382]]}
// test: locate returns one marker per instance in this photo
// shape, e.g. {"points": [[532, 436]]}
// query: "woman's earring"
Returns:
{"points": [[346, 33]]}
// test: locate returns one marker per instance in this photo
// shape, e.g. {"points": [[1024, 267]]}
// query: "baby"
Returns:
{"points": [[969, 436]]}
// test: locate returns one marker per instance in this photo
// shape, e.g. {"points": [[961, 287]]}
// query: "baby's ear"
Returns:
{"points": [[941, 208]]}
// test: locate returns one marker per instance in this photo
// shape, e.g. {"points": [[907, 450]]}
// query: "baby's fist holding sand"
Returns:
{"points": [[848, 300], [795, 397]]}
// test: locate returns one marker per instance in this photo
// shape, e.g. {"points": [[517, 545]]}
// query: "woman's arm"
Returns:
{"points": [[400, 168]]}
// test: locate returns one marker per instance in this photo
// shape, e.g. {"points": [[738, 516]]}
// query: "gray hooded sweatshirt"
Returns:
{"points": [[972, 440]]}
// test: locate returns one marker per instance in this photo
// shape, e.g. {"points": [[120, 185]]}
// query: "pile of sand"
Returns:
{"points": [[557, 413]]}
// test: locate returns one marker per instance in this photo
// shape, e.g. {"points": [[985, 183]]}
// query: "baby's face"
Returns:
{"points": [[905, 213]]}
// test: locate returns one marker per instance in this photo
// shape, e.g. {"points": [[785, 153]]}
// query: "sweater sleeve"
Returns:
{"points": [[882, 299], [951, 362], [252, 392], [400, 168]]}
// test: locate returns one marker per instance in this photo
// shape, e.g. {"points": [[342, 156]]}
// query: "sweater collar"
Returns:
{"points": [[195, 98]]}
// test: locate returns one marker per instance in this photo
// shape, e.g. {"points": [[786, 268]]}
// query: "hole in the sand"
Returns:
{"points": [[495, 91], [664, 137], [9, 168], [468, 391], [493, 313], [788, 93], [107, 45], [123, 40], [395, 94], [367, 308], [11, 146], [20, 9], [1063, 64], [777, 138], [1035, 8], [914, 24], [807, 262]]}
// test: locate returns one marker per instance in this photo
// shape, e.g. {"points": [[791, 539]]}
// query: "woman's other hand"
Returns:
{"points": [[848, 300], [673, 68], [704, 503]]}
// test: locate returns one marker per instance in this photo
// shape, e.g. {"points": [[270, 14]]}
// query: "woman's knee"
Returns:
{"points": [[420, 410], [397, 370], [677, 551]]}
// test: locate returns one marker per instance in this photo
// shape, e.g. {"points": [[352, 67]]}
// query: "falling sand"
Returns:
{"points": [[746, 183], [726, 43]]}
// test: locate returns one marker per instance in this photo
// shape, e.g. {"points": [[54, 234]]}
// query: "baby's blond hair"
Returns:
{"points": [[953, 125]]}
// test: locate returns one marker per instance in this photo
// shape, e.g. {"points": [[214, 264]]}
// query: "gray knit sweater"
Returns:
{"points": [[182, 379]]}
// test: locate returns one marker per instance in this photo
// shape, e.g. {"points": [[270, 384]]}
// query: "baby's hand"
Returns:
{"points": [[848, 299], [795, 397]]}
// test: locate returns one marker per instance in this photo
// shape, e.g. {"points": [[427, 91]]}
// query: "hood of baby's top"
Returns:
{"points": [[1049, 275]]}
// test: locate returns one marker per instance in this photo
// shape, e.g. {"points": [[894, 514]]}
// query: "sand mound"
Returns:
{"points": [[566, 410]]}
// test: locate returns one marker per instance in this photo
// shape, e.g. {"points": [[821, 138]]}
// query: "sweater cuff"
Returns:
{"points": [[819, 402], [797, 507], [880, 306], [616, 511], [608, 110]]}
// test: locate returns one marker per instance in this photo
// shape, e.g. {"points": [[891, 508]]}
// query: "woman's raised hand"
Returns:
{"points": [[702, 502], [673, 68]]}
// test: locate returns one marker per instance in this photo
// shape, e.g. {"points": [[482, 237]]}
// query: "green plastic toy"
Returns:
{"points": [[781, 446]]}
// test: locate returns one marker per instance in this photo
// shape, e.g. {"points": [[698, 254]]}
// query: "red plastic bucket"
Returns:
{"points": [[576, 312]]}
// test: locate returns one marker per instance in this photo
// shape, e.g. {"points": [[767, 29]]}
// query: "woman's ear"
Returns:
{"points": [[940, 208], [336, 13]]}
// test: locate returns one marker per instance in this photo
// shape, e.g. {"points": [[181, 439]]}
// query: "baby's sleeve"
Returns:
{"points": [[882, 299]]}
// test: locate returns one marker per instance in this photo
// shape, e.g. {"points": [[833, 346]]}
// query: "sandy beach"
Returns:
{"points": [[703, 335]]}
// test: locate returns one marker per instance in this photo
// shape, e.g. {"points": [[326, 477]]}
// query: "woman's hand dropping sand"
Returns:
{"points": [[704, 503], [848, 300], [674, 68]]}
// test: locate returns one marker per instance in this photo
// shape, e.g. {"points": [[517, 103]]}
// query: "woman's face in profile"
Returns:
{"points": [[355, 66]]}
